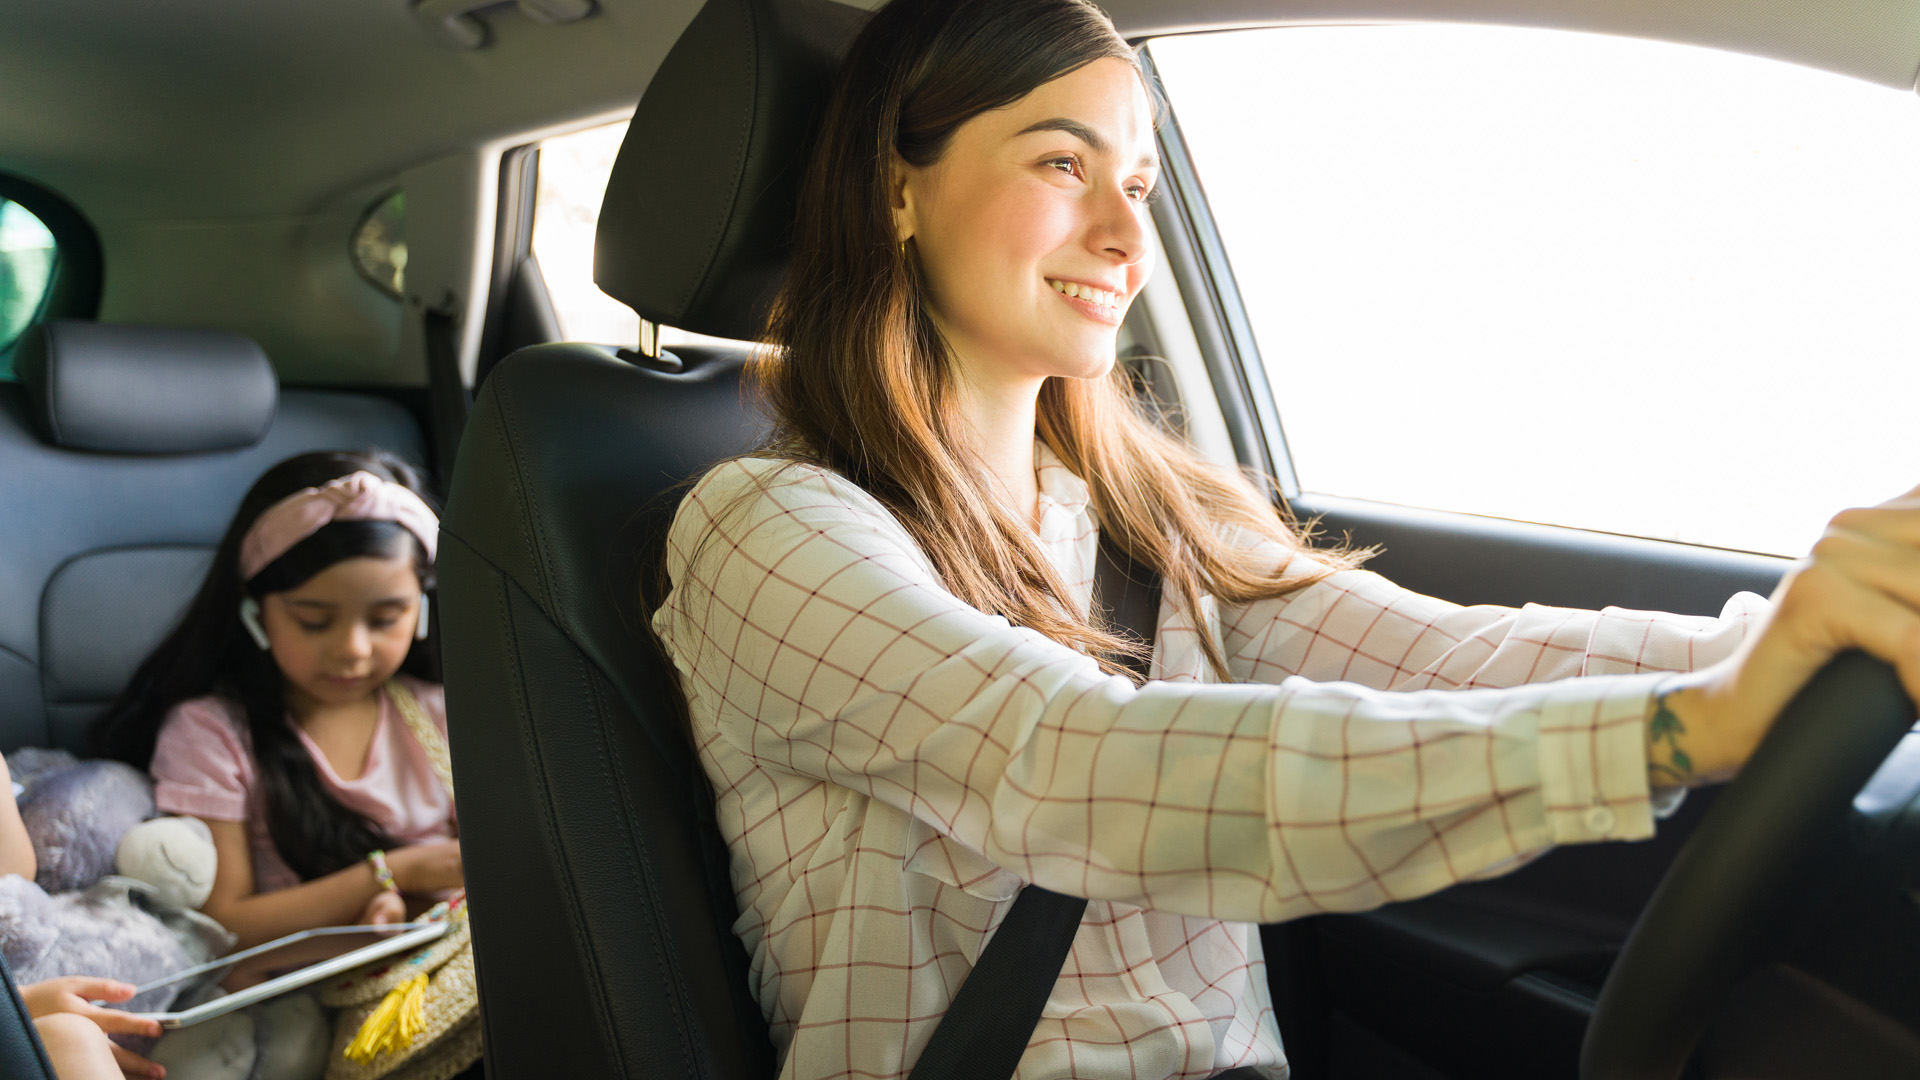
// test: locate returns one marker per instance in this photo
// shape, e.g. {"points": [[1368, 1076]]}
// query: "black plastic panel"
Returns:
{"points": [[1481, 560]]}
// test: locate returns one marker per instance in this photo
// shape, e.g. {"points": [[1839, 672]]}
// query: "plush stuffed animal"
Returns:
{"points": [[76, 812], [173, 854], [98, 931], [87, 818]]}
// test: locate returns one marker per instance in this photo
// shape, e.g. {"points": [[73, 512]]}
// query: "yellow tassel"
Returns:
{"points": [[394, 1023]]}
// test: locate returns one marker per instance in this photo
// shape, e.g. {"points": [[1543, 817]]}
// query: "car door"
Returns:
{"points": [[1548, 318]]}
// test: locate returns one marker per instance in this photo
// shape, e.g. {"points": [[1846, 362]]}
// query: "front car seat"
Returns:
{"points": [[602, 905]]}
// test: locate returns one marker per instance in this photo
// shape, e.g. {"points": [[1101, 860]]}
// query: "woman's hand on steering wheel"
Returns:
{"points": [[1858, 589]]}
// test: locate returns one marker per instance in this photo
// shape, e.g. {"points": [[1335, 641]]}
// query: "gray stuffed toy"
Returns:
{"points": [[76, 812], [86, 818], [97, 931]]}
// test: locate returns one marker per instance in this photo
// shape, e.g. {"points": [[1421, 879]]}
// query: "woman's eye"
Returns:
{"points": [[312, 628], [1068, 165], [382, 624]]}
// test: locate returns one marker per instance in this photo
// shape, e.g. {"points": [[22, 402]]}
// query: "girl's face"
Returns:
{"points": [[1046, 194], [341, 635]]}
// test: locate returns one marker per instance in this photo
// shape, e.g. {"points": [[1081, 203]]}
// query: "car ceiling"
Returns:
{"points": [[222, 108], [225, 108]]}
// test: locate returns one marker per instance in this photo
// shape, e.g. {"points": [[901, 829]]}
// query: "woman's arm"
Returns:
{"points": [[815, 641], [1356, 626], [16, 848], [335, 900]]}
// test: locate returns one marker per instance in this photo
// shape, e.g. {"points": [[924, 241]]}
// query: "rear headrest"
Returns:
{"points": [[699, 209], [145, 389]]}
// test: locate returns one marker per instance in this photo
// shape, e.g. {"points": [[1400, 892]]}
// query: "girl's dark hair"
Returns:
{"points": [[210, 653]]}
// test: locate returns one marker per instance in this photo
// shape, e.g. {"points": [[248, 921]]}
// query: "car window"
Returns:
{"points": [[1592, 281], [573, 179], [28, 258], [379, 244]]}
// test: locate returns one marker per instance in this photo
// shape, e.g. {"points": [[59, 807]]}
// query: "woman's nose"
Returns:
{"points": [[1123, 232]]}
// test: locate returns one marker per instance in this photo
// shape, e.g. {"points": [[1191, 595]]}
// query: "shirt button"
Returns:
{"points": [[1600, 820]]}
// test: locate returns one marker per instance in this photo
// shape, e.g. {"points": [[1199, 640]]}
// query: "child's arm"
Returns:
{"points": [[16, 850], [339, 899]]}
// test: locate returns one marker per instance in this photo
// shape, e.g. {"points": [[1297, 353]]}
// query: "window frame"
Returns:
{"points": [[1197, 259], [78, 265]]}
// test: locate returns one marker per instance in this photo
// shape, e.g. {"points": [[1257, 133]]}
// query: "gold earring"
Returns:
{"points": [[903, 249]]}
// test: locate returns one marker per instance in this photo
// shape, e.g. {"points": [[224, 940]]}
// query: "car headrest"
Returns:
{"points": [[695, 226], [145, 389]]}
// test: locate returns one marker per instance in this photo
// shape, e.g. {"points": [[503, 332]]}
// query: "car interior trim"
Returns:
{"points": [[1183, 226]]}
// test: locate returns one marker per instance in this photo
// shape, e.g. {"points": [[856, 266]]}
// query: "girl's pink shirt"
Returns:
{"points": [[203, 765]]}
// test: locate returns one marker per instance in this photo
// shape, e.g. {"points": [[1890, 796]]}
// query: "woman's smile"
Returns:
{"points": [[1102, 305]]}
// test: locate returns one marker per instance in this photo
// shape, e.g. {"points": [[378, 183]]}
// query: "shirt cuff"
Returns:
{"points": [[1593, 758], [176, 798]]}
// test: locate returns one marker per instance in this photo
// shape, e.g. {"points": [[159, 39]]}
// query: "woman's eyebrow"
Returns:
{"points": [[1085, 134], [326, 604]]}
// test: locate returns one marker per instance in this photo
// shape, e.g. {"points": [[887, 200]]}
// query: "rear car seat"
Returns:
{"points": [[124, 451]]}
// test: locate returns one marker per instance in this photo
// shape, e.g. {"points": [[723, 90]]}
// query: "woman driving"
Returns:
{"points": [[909, 706]]}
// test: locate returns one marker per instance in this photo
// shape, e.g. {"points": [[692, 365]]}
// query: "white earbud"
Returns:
{"points": [[250, 618], [420, 628]]}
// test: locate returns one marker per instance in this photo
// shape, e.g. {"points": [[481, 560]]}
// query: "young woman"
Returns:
{"points": [[290, 709], [907, 710]]}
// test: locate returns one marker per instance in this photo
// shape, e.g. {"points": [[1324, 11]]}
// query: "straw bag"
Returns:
{"points": [[416, 1017]]}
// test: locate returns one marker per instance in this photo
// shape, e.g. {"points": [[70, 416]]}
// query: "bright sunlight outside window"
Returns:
{"points": [[1590, 281]]}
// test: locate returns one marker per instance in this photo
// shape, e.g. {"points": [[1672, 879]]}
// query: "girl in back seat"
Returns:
{"points": [[295, 707]]}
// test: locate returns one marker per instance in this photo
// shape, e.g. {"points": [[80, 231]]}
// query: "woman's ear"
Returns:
{"points": [[903, 190]]}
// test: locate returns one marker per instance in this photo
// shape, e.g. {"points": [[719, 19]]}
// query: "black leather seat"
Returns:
{"points": [[21, 1055], [602, 907], [123, 453]]}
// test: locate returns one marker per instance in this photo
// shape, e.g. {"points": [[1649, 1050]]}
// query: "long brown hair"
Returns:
{"points": [[861, 381]]}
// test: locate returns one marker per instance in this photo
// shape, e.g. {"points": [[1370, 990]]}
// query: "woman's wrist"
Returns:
{"points": [[1694, 731]]}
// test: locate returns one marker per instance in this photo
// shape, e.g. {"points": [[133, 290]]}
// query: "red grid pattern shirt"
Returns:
{"points": [[891, 765]]}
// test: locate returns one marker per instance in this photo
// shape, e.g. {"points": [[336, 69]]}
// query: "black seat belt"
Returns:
{"points": [[448, 400], [991, 1020]]}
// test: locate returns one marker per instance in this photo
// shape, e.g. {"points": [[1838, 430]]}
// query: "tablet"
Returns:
{"points": [[312, 955]]}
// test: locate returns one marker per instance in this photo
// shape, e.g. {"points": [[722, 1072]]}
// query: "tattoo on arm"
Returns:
{"points": [[1667, 759]]}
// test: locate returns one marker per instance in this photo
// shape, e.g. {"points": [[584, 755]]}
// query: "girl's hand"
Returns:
{"points": [[76, 994], [1859, 589], [428, 867], [386, 907]]}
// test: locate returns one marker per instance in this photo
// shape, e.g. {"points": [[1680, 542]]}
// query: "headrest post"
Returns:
{"points": [[649, 339]]}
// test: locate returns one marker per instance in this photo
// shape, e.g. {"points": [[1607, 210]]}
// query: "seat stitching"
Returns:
{"points": [[556, 847]]}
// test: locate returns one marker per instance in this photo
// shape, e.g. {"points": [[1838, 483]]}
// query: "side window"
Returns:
{"points": [[379, 244], [573, 178], [28, 259], [1591, 281]]}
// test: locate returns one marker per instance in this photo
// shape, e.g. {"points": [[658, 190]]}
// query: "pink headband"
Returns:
{"points": [[359, 497]]}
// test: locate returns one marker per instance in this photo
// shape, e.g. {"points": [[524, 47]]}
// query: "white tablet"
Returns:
{"points": [[379, 941]]}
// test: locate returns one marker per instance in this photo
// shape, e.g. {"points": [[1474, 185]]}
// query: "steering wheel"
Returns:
{"points": [[1712, 914]]}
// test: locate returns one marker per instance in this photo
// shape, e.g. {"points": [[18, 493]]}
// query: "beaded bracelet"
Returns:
{"points": [[382, 873]]}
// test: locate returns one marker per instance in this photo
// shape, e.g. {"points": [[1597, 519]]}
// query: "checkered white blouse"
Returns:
{"points": [[892, 765]]}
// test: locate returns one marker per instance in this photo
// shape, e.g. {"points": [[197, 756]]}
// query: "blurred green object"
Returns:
{"points": [[28, 257]]}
